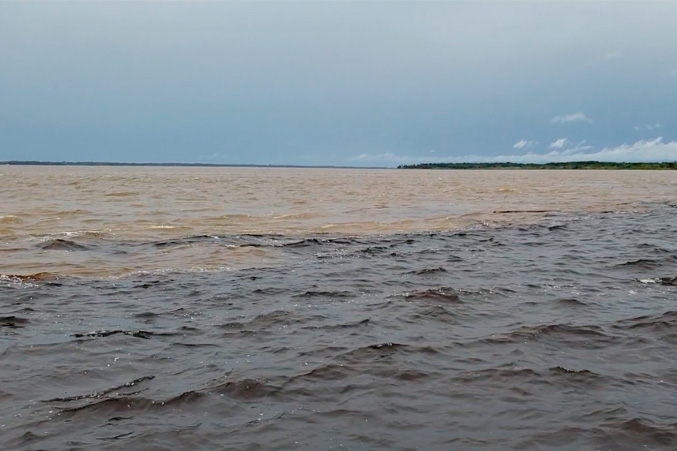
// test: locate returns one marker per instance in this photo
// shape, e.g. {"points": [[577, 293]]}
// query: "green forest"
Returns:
{"points": [[564, 165]]}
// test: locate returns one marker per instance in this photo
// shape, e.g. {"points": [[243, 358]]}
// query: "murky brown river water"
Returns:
{"points": [[241, 308]]}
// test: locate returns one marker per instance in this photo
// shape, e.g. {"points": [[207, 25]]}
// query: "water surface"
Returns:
{"points": [[213, 308]]}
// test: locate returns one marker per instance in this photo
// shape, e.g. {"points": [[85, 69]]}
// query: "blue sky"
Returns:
{"points": [[338, 83]]}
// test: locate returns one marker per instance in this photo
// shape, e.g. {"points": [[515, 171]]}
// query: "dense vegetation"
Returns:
{"points": [[565, 165]]}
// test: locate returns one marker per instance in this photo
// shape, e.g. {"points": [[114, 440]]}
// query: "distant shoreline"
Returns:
{"points": [[507, 165], [565, 165], [199, 165]]}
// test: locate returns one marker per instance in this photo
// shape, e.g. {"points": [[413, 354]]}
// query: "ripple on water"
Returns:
{"points": [[445, 340]]}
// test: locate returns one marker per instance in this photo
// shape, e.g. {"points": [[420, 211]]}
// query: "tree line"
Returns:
{"points": [[561, 165]]}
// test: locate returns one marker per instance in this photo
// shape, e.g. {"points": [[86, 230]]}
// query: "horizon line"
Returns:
{"points": [[177, 164]]}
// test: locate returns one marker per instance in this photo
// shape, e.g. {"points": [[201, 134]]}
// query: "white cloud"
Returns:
{"points": [[640, 151], [524, 144], [558, 144], [655, 126], [574, 117], [612, 55], [655, 150]]}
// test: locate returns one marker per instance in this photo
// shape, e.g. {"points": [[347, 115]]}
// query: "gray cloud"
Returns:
{"points": [[319, 82]]}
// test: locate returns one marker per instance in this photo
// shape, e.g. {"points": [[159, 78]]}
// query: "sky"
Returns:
{"points": [[348, 83]]}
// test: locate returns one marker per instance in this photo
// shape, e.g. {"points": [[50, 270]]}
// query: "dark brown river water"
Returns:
{"points": [[522, 322]]}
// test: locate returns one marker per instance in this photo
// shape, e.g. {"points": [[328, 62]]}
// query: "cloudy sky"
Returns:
{"points": [[376, 83]]}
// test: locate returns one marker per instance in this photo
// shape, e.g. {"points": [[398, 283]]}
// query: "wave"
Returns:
{"points": [[661, 323], [63, 245], [570, 302], [122, 194], [29, 277], [648, 263], [615, 431], [337, 371], [102, 393], [110, 401], [442, 294], [379, 351], [429, 271], [326, 294], [24, 281], [364, 322], [13, 322], [560, 331], [553, 375], [106, 333], [11, 219], [669, 281], [572, 336]]}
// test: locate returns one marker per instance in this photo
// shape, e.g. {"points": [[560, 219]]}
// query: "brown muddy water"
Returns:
{"points": [[240, 308]]}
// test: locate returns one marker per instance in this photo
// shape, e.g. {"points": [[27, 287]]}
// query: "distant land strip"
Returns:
{"points": [[563, 165], [507, 165], [199, 165]]}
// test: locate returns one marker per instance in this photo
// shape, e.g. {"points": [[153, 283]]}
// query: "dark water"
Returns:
{"points": [[560, 335]]}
